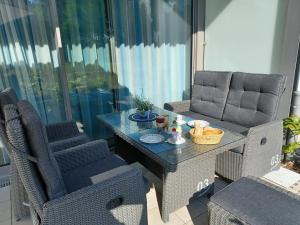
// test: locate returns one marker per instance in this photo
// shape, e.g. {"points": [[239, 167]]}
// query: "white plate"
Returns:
{"points": [[173, 142], [203, 123], [152, 138]]}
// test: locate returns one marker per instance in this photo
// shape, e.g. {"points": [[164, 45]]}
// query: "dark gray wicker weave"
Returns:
{"points": [[257, 158], [116, 196], [244, 103], [220, 214], [185, 171], [61, 135], [18, 194]]}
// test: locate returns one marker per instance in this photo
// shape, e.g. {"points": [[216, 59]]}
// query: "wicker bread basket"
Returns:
{"points": [[206, 136]]}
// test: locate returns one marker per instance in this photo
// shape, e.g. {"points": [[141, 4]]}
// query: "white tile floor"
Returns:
{"points": [[195, 213], [284, 178]]}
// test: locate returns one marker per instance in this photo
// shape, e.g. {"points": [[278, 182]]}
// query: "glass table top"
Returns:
{"points": [[169, 153]]}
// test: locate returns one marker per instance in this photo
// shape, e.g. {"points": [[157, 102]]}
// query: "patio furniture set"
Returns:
{"points": [[68, 179]]}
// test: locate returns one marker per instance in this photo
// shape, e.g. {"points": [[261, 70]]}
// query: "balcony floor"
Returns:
{"points": [[194, 213]]}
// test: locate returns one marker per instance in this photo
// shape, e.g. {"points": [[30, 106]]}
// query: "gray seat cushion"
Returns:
{"points": [[209, 93], [234, 127], [38, 146], [214, 122], [223, 124], [199, 116], [253, 98], [81, 177], [255, 203]]}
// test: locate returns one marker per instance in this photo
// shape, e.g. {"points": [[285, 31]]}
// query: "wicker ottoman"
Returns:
{"points": [[253, 201]]}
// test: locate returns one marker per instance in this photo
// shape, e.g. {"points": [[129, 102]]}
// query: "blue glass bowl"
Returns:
{"points": [[137, 117]]}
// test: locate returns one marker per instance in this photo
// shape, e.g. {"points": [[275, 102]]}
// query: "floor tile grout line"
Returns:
{"points": [[201, 214], [181, 220]]}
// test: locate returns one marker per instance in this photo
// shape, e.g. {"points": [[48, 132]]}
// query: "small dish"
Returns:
{"points": [[173, 142], [203, 123], [152, 138]]}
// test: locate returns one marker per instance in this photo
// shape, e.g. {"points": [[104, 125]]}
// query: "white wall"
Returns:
{"points": [[244, 35]]}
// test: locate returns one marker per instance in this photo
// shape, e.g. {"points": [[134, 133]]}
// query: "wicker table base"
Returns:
{"points": [[192, 178], [186, 171]]}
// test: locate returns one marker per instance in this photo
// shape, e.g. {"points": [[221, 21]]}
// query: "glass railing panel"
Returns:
{"points": [[29, 58]]}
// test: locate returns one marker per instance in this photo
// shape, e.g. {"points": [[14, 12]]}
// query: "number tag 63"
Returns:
{"points": [[275, 160]]}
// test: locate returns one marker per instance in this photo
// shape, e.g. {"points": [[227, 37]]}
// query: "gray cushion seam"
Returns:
{"points": [[244, 90], [208, 101], [211, 86], [227, 96], [279, 98], [248, 109]]}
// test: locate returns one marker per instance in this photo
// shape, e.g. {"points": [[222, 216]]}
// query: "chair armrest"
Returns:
{"points": [[117, 197], [81, 155], [61, 130], [178, 107], [262, 152], [69, 142]]}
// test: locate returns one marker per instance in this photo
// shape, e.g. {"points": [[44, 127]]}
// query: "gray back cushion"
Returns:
{"points": [[253, 98], [27, 170], [38, 145], [210, 92]]}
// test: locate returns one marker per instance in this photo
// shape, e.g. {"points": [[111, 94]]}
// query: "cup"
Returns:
{"points": [[174, 134], [160, 122]]}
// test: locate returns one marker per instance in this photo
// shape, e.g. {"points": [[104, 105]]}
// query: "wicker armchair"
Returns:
{"points": [[85, 184], [60, 135]]}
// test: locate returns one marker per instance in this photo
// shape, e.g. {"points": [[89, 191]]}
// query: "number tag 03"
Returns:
{"points": [[202, 184], [275, 160]]}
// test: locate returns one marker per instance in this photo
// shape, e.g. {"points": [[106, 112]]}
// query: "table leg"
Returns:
{"points": [[191, 180]]}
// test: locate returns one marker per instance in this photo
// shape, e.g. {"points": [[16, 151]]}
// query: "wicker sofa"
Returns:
{"points": [[85, 184], [244, 103], [61, 136]]}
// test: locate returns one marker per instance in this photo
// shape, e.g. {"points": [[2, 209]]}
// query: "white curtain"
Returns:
{"points": [[153, 47], [28, 56]]}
